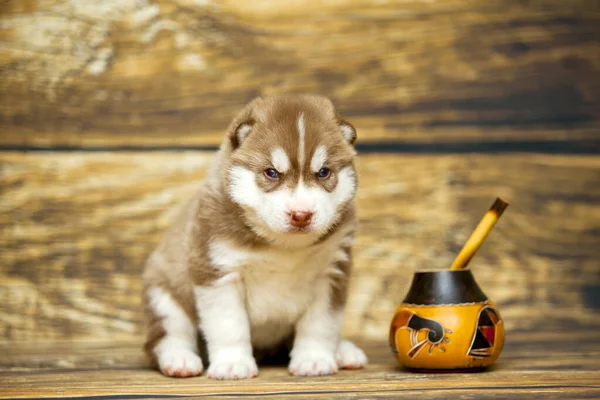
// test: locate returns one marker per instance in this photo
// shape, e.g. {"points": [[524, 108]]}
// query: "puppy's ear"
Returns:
{"points": [[243, 124], [240, 133], [347, 130]]}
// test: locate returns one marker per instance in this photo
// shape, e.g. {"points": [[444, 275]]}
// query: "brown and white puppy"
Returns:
{"points": [[260, 258]]}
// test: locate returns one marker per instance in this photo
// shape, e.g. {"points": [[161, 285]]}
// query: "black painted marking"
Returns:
{"points": [[436, 330]]}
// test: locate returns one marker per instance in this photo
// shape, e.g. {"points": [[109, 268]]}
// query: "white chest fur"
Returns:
{"points": [[276, 284]]}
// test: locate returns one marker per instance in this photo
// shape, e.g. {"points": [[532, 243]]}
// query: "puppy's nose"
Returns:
{"points": [[300, 218]]}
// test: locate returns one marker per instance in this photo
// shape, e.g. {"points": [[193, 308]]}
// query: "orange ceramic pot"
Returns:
{"points": [[446, 323]]}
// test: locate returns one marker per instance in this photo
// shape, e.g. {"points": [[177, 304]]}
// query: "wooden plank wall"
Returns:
{"points": [[174, 71], [467, 99]]}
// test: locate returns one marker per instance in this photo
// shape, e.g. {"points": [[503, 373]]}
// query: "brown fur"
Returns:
{"points": [[339, 287]]}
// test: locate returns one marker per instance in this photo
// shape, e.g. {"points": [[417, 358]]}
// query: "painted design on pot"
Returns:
{"points": [[423, 332], [484, 337]]}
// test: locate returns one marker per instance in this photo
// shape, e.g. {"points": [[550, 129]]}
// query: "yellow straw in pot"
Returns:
{"points": [[479, 234]]}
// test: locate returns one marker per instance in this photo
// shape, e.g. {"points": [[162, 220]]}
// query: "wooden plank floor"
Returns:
{"points": [[541, 363]]}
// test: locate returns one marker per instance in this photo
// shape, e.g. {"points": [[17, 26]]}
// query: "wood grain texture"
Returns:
{"points": [[174, 72], [76, 227], [551, 364]]}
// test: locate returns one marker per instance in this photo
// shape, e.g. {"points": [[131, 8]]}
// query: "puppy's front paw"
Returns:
{"points": [[180, 362], [313, 365], [349, 356], [238, 369]]}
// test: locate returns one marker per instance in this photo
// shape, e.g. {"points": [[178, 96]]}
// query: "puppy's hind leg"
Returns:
{"points": [[172, 341]]}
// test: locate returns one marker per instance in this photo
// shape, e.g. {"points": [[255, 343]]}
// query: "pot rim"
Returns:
{"points": [[430, 271]]}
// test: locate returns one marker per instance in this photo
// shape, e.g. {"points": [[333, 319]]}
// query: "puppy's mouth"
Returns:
{"points": [[299, 230]]}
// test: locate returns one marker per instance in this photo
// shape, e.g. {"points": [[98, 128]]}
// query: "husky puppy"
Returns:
{"points": [[259, 260]]}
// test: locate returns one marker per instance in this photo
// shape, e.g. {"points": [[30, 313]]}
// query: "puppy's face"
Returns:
{"points": [[291, 169]]}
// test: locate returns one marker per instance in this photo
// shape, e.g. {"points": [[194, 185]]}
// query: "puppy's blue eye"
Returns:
{"points": [[272, 173], [323, 173]]}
